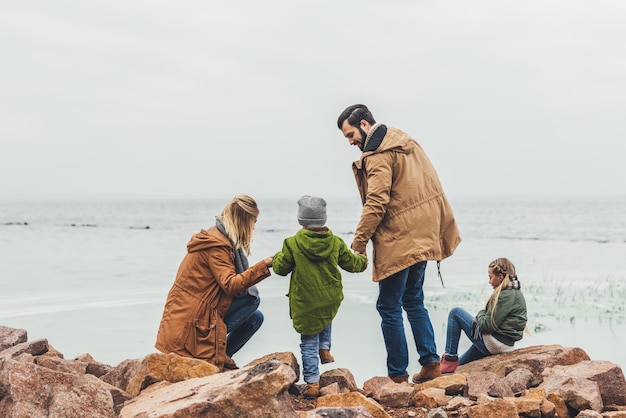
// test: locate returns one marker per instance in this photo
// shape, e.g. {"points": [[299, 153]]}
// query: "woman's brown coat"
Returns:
{"points": [[405, 212], [193, 318]]}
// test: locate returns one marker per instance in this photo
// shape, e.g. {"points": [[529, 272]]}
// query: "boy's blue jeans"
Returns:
{"points": [[404, 290], [309, 348], [242, 320], [459, 319]]}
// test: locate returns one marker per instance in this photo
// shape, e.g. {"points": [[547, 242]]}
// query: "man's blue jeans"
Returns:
{"points": [[405, 290], [459, 319], [242, 320], [309, 348]]}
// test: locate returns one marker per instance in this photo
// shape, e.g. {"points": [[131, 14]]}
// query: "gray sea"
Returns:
{"points": [[92, 276]]}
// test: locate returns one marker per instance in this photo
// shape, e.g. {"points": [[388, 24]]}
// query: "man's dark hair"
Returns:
{"points": [[355, 114]]}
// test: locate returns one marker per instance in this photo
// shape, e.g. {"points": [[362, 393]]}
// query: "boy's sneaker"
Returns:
{"points": [[449, 363], [325, 356]]}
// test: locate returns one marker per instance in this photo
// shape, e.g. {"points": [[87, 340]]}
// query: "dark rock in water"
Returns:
{"points": [[139, 227], [16, 223], [85, 225]]}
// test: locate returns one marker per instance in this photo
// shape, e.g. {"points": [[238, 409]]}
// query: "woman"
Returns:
{"points": [[494, 329], [211, 310]]}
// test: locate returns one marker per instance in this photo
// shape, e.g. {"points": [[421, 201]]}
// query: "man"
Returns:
{"points": [[408, 218]]}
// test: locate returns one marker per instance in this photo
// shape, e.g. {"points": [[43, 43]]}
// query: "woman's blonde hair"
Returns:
{"points": [[239, 217], [501, 267]]}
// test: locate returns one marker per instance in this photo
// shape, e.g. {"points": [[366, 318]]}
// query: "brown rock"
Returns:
{"points": [[353, 399], [171, 367], [121, 375], [29, 390], [578, 393], [486, 383], [519, 379], [454, 384], [34, 348], [372, 387], [561, 408], [11, 336], [343, 377], [535, 358], [497, 408], [258, 390], [331, 389], [430, 398], [527, 406], [607, 375], [62, 365], [94, 367], [548, 409], [326, 412], [286, 358], [396, 395]]}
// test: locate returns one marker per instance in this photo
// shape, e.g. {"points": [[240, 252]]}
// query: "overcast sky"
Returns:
{"points": [[211, 99]]}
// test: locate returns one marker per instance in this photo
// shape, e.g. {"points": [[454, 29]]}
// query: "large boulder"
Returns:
{"points": [[257, 390]]}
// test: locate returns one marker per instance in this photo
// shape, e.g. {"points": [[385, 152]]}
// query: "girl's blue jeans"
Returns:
{"points": [[459, 319], [404, 290], [309, 348], [242, 320]]}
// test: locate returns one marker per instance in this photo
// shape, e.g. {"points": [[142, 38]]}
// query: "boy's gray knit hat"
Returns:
{"points": [[311, 211]]}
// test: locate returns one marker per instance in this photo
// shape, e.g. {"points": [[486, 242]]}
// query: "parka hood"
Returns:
{"points": [[315, 245], [205, 239], [395, 140]]}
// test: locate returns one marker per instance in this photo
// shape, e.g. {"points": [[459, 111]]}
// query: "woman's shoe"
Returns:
{"points": [[230, 364], [449, 363]]}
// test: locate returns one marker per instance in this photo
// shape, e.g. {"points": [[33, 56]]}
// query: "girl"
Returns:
{"points": [[494, 329]]}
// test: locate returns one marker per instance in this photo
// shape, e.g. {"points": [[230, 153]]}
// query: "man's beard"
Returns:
{"points": [[363, 137]]}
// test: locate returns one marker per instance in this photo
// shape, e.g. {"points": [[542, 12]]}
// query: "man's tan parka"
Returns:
{"points": [[193, 318], [405, 213]]}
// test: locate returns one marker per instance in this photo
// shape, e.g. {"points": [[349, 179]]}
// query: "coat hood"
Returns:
{"points": [[394, 141], [315, 245], [207, 238]]}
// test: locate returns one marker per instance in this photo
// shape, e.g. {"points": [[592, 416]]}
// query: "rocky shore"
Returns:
{"points": [[539, 381]]}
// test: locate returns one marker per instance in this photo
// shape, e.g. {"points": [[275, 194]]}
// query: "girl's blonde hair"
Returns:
{"points": [[501, 267], [239, 217]]}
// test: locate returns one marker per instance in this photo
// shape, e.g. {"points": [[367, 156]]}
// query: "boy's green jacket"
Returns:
{"points": [[315, 289]]}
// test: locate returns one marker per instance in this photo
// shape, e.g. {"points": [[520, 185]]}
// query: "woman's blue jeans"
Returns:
{"points": [[404, 290], [242, 320], [309, 348], [459, 319]]}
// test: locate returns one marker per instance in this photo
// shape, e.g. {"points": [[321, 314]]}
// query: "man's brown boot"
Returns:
{"points": [[312, 391], [325, 356], [428, 372]]}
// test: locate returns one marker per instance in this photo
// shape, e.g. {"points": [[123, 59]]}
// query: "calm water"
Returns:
{"points": [[92, 277]]}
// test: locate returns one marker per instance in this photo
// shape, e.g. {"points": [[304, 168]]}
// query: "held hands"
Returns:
{"points": [[268, 261], [361, 252]]}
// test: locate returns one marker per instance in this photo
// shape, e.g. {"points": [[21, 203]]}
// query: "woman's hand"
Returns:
{"points": [[268, 261]]}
